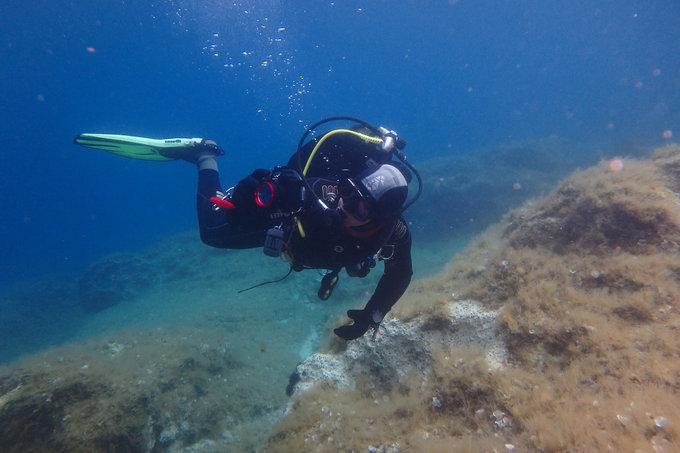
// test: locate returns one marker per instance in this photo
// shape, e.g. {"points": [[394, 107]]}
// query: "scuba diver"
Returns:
{"points": [[336, 204]]}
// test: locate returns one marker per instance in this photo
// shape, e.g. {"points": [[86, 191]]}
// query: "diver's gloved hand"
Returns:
{"points": [[363, 320]]}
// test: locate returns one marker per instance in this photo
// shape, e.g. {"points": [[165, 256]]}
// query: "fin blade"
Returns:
{"points": [[134, 147]]}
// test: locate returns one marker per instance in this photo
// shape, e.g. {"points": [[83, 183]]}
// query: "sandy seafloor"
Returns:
{"points": [[183, 362]]}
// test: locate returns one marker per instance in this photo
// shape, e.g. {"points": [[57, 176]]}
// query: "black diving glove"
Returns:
{"points": [[362, 321]]}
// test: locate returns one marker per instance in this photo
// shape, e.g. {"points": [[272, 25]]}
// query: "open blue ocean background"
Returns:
{"points": [[450, 76]]}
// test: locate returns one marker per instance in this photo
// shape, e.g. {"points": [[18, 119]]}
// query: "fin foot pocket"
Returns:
{"points": [[328, 283]]}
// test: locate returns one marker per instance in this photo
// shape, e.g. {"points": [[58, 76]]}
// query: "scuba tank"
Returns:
{"points": [[370, 145]]}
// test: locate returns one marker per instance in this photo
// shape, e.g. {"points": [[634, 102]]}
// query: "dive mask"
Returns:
{"points": [[354, 201]]}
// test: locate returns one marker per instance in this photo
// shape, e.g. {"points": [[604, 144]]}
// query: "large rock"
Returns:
{"points": [[402, 348], [575, 327]]}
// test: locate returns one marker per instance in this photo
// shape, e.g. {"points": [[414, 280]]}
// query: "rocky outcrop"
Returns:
{"points": [[135, 393], [556, 330], [402, 348], [571, 344]]}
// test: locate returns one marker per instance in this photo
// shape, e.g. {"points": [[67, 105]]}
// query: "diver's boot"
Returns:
{"points": [[206, 160]]}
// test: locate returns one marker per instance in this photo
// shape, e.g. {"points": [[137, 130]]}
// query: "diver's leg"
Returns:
{"points": [[223, 228]]}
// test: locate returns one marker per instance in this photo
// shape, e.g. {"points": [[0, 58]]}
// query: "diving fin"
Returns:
{"points": [[141, 147]]}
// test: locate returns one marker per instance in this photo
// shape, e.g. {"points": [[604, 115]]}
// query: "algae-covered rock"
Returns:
{"points": [[402, 348], [556, 330], [579, 290], [598, 210], [133, 393]]}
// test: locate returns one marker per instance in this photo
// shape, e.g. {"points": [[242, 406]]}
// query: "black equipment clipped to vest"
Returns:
{"points": [[274, 242], [282, 194], [361, 269]]}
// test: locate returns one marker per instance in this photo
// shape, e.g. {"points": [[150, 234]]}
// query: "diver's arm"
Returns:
{"points": [[397, 276], [392, 285]]}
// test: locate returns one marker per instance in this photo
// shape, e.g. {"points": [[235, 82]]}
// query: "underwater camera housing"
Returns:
{"points": [[282, 192]]}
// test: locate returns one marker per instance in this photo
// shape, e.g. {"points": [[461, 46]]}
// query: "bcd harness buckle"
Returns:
{"points": [[382, 256], [222, 200]]}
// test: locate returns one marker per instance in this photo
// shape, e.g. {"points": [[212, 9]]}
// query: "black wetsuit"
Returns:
{"points": [[326, 243]]}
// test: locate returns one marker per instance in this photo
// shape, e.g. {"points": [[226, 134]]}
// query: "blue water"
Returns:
{"points": [[449, 76]]}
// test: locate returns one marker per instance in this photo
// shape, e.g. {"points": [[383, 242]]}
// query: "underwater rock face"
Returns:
{"points": [[536, 338], [377, 379], [578, 296], [597, 213], [136, 393], [403, 348]]}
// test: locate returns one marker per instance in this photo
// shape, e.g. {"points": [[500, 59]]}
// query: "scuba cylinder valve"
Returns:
{"points": [[390, 140]]}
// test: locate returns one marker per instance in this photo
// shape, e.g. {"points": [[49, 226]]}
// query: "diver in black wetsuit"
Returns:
{"points": [[336, 204]]}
